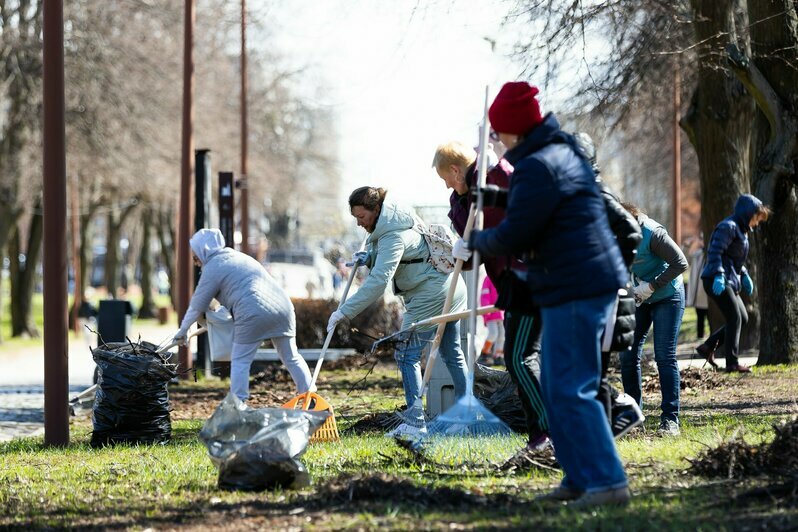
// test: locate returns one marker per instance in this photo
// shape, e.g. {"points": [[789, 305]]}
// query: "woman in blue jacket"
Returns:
{"points": [[659, 295], [725, 275]]}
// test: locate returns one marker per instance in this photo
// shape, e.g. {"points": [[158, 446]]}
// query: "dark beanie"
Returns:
{"points": [[515, 109]]}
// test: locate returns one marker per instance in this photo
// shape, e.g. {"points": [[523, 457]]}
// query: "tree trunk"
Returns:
{"points": [[166, 234], [9, 215], [113, 234], [147, 309], [22, 287], [84, 245], [774, 39], [718, 124]]}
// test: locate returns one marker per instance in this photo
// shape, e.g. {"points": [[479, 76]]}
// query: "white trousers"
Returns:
{"points": [[243, 355], [496, 333]]}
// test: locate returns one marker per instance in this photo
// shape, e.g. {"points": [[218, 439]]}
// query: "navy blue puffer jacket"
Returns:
{"points": [[555, 213], [728, 247]]}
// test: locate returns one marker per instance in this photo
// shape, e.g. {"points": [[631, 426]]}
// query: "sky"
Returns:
{"points": [[402, 77]]}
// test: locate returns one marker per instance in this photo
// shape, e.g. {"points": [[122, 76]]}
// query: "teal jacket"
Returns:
{"points": [[391, 247], [650, 267]]}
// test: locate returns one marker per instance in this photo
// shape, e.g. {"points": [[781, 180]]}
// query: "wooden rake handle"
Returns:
{"points": [[447, 305]]}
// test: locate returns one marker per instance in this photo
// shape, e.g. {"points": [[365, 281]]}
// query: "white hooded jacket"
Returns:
{"points": [[260, 307]]}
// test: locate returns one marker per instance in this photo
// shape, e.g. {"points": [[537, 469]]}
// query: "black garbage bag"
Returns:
{"points": [[499, 394], [132, 401], [258, 449]]}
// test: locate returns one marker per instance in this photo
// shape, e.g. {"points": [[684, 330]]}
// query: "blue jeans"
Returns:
{"points": [[408, 357], [666, 315], [570, 374]]}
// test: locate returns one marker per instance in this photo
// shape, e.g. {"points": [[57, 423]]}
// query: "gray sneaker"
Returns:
{"points": [[668, 427], [560, 494], [609, 497]]}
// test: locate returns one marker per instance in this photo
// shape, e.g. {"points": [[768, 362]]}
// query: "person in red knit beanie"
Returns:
{"points": [[515, 110], [555, 215]]}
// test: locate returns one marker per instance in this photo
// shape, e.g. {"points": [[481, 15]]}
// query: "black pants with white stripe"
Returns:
{"points": [[522, 358]]}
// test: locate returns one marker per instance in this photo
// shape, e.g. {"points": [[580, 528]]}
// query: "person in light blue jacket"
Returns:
{"points": [[260, 307], [398, 255], [725, 275], [659, 295]]}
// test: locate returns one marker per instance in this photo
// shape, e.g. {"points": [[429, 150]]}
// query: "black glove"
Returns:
{"points": [[492, 196]]}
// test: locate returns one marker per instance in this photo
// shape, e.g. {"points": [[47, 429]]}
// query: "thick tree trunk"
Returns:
{"points": [[22, 287], [147, 309], [718, 124], [774, 38]]}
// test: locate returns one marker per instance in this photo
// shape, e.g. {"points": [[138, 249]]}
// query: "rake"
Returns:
{"points": [[416, 410], [310, 400], [468, 429]]}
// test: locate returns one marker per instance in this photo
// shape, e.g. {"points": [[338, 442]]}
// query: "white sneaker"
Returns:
{"points": [[407, 431]]}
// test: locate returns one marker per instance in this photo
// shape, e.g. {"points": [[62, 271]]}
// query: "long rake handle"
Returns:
{"points": [[452, 316], [447, 306], [481, 175], [330, 334]]}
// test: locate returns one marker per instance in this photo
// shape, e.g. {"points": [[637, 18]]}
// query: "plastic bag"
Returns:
{"points": [[499, 394], [131, 403], [220, 334], [258, 449]]}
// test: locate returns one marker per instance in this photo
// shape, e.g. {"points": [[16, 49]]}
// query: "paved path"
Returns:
{"points": [[22, 379]]}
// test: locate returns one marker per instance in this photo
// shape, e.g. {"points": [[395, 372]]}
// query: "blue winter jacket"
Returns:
{"points": [[556, 214], [728, 247]]}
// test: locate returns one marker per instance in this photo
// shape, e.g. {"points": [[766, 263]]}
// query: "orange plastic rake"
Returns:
{"points": [[311, 400]]}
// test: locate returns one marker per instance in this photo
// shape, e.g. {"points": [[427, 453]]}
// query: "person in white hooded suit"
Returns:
{"points": [[260, 307]]}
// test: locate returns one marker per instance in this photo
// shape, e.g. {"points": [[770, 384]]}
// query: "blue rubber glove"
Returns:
{"points": [[719, 284], [748, 284]]}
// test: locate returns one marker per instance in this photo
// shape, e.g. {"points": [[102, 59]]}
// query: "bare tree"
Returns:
{"points": [[770, 74]]}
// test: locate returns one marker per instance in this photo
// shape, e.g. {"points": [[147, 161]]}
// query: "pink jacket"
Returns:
{"points": [[488, 296]]}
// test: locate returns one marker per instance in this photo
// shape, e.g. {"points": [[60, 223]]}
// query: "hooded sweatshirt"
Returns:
{"points": [[391, 247], [260, 307], [728, 246]]}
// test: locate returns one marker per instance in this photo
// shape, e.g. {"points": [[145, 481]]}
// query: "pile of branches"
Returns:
{"points": [[738, 459]]}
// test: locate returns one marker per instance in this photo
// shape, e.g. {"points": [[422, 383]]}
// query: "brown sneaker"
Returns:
{"points": [[561, 494], [608, 497], [708, 353], [739, 368]]}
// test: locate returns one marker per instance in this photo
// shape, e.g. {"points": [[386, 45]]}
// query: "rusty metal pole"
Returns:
{"points": [[77, 293], [56, 363], [244, 174], [677, 157], [184, 274]]}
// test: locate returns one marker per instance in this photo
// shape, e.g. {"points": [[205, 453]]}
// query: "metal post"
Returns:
{"points": [[244, 173], [186, 158], [56, 363], [677, 157], [77, 293]]}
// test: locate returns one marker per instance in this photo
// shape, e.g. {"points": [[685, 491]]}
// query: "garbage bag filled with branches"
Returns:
{"points": [[132, 401], [258, 449]]}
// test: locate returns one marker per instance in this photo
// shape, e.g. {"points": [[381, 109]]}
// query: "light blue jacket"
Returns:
{"points": [[391, 247]]}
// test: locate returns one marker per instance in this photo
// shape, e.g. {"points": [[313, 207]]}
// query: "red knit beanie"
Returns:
{"points": [[515, 109]]}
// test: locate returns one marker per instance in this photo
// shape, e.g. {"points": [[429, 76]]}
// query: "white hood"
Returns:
{"points": [[205, 243]]}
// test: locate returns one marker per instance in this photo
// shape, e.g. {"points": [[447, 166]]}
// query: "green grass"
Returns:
{"points": [[162, 486]]}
